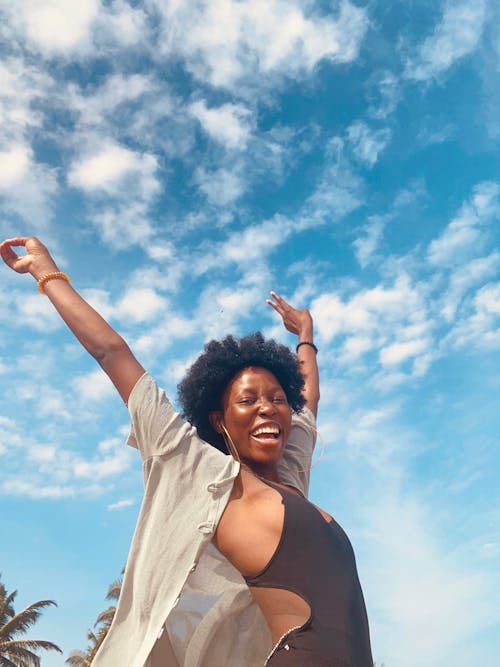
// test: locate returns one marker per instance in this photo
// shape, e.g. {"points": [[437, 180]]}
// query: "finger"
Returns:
{"points": [[279, 308], [8, 255], [273, 305], [284, 305], [278, 298], [18, 241]]}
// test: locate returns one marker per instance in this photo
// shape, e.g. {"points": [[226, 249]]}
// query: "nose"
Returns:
{"points": [[266, 407]]}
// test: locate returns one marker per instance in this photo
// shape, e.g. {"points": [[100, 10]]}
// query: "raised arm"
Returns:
{"points": [[94, 333], [300, 322]]}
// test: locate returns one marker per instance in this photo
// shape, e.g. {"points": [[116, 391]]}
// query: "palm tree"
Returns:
{"points": [[21, 652], [105, 618]]}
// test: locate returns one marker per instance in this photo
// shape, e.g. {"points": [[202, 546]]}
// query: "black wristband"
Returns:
{"points": [[306, 342]]}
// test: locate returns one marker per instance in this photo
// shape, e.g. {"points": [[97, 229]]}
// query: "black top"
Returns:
{"points": [[314, 559]]}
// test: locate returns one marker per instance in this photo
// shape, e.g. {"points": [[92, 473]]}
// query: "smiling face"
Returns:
{"points": [[256, 414]]}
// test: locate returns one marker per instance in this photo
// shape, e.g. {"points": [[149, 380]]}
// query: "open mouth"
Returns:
{"points": [[267, 433]]}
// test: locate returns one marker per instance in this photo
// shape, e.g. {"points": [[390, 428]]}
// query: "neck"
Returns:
{"points": [[267, 471]]}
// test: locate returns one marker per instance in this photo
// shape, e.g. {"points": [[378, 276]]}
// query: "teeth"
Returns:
{"points": [[266, 430]]}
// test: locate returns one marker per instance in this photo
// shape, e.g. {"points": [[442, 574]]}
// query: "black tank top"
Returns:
{"points": [[314, 559]]}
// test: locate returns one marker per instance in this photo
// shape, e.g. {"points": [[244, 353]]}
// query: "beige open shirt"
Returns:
{"points": [[182, 603]]}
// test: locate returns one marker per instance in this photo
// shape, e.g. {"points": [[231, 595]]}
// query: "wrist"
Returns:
{"points": [[48, 277], [38, 272], [306, 335], [308, 344]]}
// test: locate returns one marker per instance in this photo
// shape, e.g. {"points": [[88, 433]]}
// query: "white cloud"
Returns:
{"points": [[394, 322], [37, 313], [51, 403], [227, 124], [221, 186], [94, 386], [119, 23], [42, 453], [368, 310], [14, 165], [488, 299], [337, 193], [436, 133], [401, 351], [367, 144], [120, 504], [140, 304], [354, 347], [100, 106], [38, 469], [10, 437], [124, 224], [388, 95], [366, 246], [114, 168], [462, 236], [247, 248], [456, 36], [36, 489], [129, 181], [221, 309], [257, 241], [481, 326], [55, 27], [27, 188], [227, 41], [114, 461], [21, 85], [464, 278]]}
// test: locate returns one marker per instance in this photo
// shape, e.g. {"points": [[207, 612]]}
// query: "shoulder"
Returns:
{"points": [[305, 419]]}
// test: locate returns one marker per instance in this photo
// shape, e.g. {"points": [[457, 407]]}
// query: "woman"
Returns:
{"points": [[229, 564]]}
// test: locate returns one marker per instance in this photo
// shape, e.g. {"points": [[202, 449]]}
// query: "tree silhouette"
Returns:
{"points": [[15, 652]]}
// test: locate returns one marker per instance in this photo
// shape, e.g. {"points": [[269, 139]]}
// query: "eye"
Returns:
{"points": [[245, 401], [279, 399]]}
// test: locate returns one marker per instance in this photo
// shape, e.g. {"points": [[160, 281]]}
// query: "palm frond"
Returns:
{"points": [[22, 655], [29, 644], [106, 617], [22, 621], [77, 659], [114, 590], [6, 604]]}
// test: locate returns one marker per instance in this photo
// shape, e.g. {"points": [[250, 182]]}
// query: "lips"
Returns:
{"points": [[267, 431]]}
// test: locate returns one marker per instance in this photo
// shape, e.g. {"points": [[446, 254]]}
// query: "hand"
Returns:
{"points": [[296, 321], [36, 261]]}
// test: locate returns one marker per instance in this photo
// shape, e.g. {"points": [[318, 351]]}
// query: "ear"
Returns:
{"points": [[215, 418]]}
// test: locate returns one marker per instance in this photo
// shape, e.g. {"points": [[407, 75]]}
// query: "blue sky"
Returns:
{"points": [[181, 159]]}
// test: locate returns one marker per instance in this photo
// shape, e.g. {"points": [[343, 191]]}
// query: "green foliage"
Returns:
{"points": [[15, 652]]}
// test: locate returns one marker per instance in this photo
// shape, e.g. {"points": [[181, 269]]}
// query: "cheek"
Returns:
{"points": [[288, 424], [235, 417]]}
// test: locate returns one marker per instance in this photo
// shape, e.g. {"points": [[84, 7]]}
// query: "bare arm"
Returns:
{"points": [[94, 333], [300, 322]]}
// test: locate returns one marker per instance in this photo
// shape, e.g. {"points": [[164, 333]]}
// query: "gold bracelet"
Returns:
{"points": [[51, 276]]}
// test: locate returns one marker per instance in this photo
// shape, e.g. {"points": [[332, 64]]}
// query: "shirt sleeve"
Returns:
{"points": [[295, 466], [156, 428]]}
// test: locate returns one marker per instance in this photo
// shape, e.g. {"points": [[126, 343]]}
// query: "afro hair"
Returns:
{"points": [[201, 391]]}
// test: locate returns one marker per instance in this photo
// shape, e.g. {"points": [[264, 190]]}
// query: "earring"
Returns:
{"points": [[229, 443]]}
